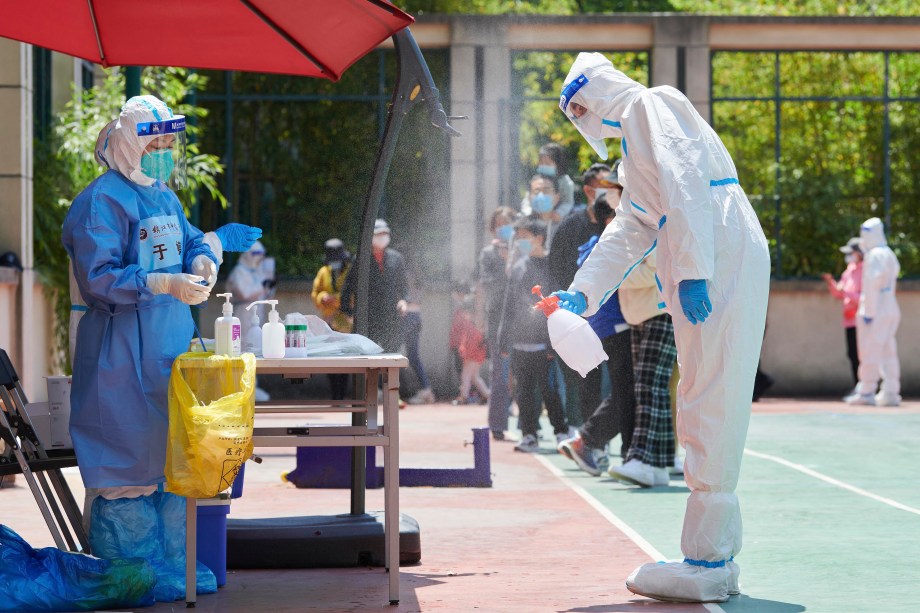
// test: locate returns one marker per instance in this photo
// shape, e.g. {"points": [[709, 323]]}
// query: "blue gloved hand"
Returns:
{"points": [[867, 320], [572, 301], [237, 236], [694, 300], [585, 250]]}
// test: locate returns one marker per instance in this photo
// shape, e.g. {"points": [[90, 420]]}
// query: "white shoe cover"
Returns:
{"points": [[734, 587], [680, 582], [883, 399]]}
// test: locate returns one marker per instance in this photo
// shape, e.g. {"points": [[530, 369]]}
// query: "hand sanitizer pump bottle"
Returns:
{"points": [[227, 339], [272, 332]]}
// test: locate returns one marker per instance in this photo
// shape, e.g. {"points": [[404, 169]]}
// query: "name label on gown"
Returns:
{"points": [[160, 242]]}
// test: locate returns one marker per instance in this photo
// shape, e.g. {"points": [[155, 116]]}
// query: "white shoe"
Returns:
{"points": [[528, 444], [883, 399], [262, 395], [677, 469], [423, 396], [564, 436], [640, 473], [860, 399], [680, 582]]}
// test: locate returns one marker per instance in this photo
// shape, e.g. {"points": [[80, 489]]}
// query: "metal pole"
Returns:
{"points": [[132, 81], [886, 166]]}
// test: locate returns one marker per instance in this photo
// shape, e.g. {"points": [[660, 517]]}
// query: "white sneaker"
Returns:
{"points": [[883, 399], [860, 399], [640, 473], [680, 582], [564, 436], [528, 444], [423, 396]]}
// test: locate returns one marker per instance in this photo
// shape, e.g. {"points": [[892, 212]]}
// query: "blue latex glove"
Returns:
{"points": [[694, 300], [867, 320], [585, 250], [237, 236], [572, 301]]}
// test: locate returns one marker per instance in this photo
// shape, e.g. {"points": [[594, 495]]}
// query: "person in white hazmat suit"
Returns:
{"points": [[877, 321], [682, 197]]}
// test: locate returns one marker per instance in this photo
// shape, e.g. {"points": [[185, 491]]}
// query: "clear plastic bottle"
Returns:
{"points": [[252, 342], [272, 332], [227, 339]]}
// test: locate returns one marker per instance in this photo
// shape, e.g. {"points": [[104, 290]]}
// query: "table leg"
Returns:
{"points": [[359, 454], [191, 551], [391, 480]]}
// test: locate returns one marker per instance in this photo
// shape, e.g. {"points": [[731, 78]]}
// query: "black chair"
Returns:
{"points": [[25, 454]]}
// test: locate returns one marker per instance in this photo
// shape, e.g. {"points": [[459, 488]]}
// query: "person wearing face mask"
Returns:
{"points": [[253, 278], [877, 320], [574, 231], [544, 196], [327, 297], [387, 292], [847, 291], [137, 264], [681, 197], [553, 163], [524, 335], [491, 282]]}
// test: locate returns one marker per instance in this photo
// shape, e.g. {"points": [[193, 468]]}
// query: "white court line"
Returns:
{"points": [[832, 481], [621, 525]]}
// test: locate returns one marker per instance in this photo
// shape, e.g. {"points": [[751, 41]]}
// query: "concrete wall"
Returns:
{"points": [[805, 349]]}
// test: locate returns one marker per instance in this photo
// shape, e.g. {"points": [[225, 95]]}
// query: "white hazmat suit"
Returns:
{"points": [[681, 195], [877, 320]]}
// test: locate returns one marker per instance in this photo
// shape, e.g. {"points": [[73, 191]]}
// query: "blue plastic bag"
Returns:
{"points": [[153, 528], [49, 579]]}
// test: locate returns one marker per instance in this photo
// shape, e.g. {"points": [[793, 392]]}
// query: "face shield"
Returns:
{"points": [[164, 156], [588, 124]]}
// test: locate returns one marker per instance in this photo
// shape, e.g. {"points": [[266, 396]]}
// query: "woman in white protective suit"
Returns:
{"points": [[877, 320], [681, 195]]}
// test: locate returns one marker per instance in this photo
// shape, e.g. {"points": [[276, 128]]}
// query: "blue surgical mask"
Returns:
{"points": [[158, 164], [524, 246], [541, 203], [546, 170], [504, 233]]}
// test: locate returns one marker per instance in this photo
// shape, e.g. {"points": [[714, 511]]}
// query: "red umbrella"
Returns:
{"points": [[315, 38]]}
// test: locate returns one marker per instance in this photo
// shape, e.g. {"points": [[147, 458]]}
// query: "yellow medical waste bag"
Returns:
{"points": [[211, 415]]}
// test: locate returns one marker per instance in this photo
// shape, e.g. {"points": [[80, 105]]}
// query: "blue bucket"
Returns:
{"points": [[212, 538]]}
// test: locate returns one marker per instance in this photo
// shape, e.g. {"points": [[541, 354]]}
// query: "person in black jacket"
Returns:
{"points": [[388, 289], [576, 230], [524, 335]]}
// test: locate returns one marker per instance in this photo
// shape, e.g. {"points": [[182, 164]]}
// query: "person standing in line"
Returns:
{"points": [[847, 291], [412, 333], [491, 283], [683, 199], [525, 336], [327, 297], [877, 321], [387, 292], [574, 231], [553, 163], [471, 346]]}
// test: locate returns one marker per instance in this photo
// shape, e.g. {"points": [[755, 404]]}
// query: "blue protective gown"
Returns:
{"points": [[115, 233]]}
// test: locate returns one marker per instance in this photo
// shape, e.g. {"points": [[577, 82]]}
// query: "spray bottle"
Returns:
{"points": [[227, 339], [272, 332], [572, 336]]}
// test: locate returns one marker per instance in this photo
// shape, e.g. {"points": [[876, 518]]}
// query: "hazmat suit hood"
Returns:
{"points": [[595, 84], [120, 148], [872, 234], [252, 259]]}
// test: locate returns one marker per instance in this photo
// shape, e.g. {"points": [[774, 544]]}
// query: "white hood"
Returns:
{"points": [[595, 84], [872, 234], [118, 145]]}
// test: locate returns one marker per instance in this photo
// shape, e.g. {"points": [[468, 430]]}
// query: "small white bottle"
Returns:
{"points": [[252, 341], [272, 332], [227, 339]]}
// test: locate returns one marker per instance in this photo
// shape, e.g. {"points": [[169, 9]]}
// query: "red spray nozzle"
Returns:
{"points": [[548, 304]]}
